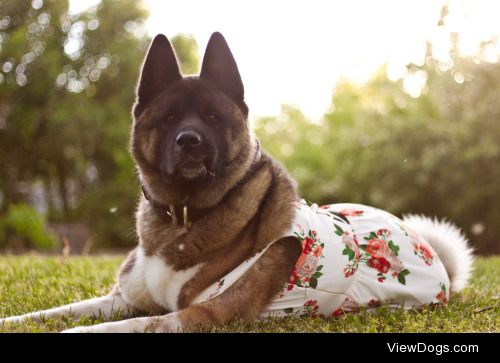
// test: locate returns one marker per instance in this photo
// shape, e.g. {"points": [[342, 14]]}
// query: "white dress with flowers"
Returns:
{"points": [[352, 256]]}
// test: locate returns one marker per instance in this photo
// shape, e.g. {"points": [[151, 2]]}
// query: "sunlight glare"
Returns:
{"points": [[292, 53]]}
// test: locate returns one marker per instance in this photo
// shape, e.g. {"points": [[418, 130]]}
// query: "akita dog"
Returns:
{"points": [[222, 232]]}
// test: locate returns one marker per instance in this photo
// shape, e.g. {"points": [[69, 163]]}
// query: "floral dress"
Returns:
{"points": [[352, 256]]}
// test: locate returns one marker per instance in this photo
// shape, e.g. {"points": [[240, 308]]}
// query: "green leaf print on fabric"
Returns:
{"points": [[441, 297], [393, 247], [310, 309], [338, 231], [372, 235], [350, 253], [402, 276], [317, 275], [380, 253]]}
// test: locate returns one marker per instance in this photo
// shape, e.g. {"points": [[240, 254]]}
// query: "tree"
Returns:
{"points": [[382, 145], [187, 53], [67, 85]]}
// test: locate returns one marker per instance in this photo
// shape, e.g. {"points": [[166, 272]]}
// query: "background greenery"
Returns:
{"points": [[67, 85]]}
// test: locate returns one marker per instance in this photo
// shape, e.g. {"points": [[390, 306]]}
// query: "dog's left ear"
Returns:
{"points": [[219, 67], [159, 70]]}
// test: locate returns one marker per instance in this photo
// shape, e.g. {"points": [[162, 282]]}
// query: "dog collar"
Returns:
{"points": [[172, 211]]}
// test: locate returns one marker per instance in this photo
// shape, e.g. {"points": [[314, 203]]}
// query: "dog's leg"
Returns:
{"points": [[152, 324], [246, 298], [104, 306]]}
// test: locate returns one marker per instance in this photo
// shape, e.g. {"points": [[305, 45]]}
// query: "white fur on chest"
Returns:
{"points": [[152, 278]]}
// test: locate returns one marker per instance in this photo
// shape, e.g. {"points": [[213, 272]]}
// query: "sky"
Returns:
{"points": [[293, 52]]}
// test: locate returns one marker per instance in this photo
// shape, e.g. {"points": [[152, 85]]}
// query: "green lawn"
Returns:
{"points": [[31, 283]]}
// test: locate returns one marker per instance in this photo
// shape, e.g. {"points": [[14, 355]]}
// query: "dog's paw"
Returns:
{"points": [[12, 320], [125, 326], [113, 327], [79, 329], [154, 324]]}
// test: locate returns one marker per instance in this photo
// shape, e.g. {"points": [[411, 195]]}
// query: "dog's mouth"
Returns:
{"points": [[193, 170], [180, 169]]}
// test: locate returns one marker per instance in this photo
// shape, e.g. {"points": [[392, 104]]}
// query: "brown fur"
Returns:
{"points": [[240, 203], [250, 217], [249, 296], [209, 235], [129, 263], [252, 205]]}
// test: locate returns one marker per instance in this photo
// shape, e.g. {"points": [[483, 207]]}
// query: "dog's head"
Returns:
{"points": [[190, 138]]}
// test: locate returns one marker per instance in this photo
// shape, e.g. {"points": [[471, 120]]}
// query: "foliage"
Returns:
{"points": [[187, 52], [33, 283], [67, 85], [22, 221], [434, 154]]}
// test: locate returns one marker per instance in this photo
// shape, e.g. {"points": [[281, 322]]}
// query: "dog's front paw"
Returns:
{"points": [[154, 324], [124, 326], [113, 327], [12, 320], [79, 329]]}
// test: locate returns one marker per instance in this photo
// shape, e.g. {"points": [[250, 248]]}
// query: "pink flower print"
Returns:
{"points": [[381, 253], [307, 243], [377, 247], [396, 263], [351, 212], [347, 306], [424, 251], [384, 232], [441, 296], [308, 266], [311, 308], [379, 263], [350, 241]]}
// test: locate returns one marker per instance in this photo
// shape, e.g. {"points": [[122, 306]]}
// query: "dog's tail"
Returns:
{"points": [[449, 243]]}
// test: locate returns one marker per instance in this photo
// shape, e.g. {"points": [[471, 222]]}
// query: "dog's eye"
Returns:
{"points": [[170, 118], [211, 118]]}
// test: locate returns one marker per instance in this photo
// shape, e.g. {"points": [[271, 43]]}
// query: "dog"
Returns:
{"points": [[222, 232]]}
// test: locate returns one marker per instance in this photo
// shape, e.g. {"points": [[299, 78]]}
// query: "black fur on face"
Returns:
{"points": [[189, 132], [193, 106]]}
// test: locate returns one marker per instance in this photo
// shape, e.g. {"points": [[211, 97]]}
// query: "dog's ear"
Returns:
{"points": [[219, 67], [160, 69]]}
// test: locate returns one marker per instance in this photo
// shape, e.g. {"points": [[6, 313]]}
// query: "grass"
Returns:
{"points": [[30, 283]]}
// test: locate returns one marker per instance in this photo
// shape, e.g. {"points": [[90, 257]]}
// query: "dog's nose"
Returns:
{"points": [[188, 139]]}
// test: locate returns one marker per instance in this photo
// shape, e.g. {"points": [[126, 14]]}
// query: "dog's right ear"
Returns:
{"points": [[160, 69], [219, 67]]}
